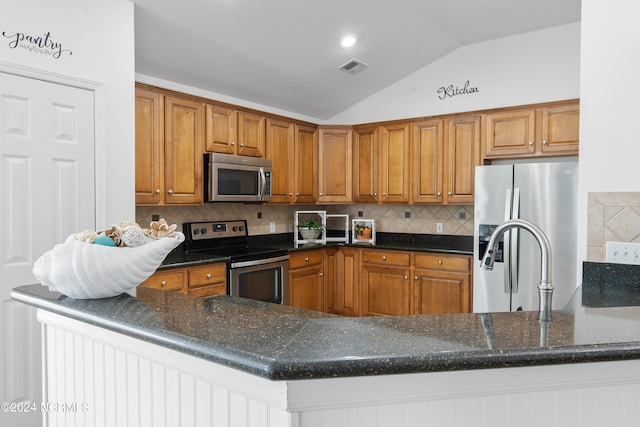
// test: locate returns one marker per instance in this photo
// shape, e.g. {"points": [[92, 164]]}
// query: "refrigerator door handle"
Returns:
{"points": [[515, 261], [506, 244]]}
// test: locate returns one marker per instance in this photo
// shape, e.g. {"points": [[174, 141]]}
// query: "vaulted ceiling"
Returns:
{"points": [[286, 53]]}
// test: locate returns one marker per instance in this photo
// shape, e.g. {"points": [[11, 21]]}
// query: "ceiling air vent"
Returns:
{"points": [[353, 66]]}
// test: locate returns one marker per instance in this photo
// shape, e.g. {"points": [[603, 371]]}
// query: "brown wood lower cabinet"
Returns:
{"points": [[306, 274], [348, 283], [441, 284], [385, 285], [203, 281]]}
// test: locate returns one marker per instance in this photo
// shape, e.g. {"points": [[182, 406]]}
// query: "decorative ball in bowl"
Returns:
{"points": [[83, 267]]}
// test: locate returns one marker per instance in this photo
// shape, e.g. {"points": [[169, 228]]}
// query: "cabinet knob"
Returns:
{"points": [[321, 274], [449, 193], [306, 259], [415, 277], [290, 194], [233, 143], [530, 143], [544, 142], [158, 191], [375, 194], [321, 194], [297, 194], [384, 257], [406, 277], [242, 144], [439, 194], [208, 275], [439, 262], [384, 194], [163, 283], [170, 191]]}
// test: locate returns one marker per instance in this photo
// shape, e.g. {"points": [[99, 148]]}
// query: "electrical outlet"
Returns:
{"points": [[439, 228], [272, 226], [623, 253]]}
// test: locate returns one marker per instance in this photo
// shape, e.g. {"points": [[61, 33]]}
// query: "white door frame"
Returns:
{"points": [[99, 125]]}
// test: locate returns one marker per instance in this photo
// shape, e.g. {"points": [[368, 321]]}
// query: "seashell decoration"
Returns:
{"points": [[81, 269]]}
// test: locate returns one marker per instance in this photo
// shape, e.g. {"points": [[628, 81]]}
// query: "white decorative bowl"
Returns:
{"points": [[87, 271]]}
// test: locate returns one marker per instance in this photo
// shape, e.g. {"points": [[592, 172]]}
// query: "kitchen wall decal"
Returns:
{"points": [[44, 44], [451, 90]]}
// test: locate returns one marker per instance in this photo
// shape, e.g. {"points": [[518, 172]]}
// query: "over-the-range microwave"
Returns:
{"points": [[230, 178]]}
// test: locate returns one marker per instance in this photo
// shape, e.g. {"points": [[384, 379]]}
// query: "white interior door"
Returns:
{"points": [[47, 192]]}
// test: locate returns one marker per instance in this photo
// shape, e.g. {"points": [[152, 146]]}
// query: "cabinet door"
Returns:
{"points": [[394, 163], [385, 291], [561, 129], [330, 269], [280, 149], [510, 134], [462, 144], [436, 292], [251, 134], [183, 151], [334, 169], [306, 288], [348, 284], [427, 140], [366, 155], [306, 164], [221, 125], [149, 147]]}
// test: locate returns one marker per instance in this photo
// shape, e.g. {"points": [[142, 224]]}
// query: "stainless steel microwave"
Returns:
{"points": [[230, 178]]}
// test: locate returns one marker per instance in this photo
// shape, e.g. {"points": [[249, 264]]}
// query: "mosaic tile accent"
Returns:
{"points": [[456, 220], [611, 217]]}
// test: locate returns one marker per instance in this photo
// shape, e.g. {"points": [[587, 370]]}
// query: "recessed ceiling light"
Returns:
{"points": [[349, 40]]}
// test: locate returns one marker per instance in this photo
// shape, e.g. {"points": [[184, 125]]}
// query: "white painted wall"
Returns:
{"points": [[609, 138], [100, 37], [539, 66]]}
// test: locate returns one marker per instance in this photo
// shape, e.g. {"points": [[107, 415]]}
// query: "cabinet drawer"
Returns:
{"points": [[443, 262], [165, 281], [208, 291], [305, 258], [210, 274], [382, 257]]}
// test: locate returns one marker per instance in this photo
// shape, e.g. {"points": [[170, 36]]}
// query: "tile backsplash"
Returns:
{"points": [[456, 220], [612, 217]]}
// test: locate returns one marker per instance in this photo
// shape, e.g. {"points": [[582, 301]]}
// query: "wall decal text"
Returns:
{"points": [[44, 44], [451, 90]]}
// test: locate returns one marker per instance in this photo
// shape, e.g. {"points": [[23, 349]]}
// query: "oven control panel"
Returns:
{"points": [[215, 230]]}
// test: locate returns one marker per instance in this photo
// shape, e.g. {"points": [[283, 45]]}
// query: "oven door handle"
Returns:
{"points": [[263, 261]]}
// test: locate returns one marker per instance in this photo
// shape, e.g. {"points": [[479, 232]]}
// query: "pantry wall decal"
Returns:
{"points": [[43, 44], [451, 90]]}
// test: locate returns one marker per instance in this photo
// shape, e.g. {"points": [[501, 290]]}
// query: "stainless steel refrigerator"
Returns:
{"points": [[544, 194]]}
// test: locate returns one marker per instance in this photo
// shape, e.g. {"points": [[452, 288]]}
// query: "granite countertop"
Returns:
{"points": [[440, 243], [284, 343]]}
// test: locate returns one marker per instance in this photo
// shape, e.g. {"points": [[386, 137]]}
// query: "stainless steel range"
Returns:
{"points": [[255, 272]]}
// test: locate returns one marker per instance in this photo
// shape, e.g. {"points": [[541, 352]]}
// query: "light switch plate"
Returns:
{"points": [[623, 252]]}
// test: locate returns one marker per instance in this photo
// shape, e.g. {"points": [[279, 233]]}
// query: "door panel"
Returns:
{"points": [[47, 192]]}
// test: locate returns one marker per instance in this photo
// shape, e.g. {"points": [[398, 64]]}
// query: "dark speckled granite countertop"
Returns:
{"points": [[396, 241], [283, 343]]}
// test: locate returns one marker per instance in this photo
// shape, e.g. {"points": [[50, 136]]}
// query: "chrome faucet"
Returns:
{"points": [[545, 288]]}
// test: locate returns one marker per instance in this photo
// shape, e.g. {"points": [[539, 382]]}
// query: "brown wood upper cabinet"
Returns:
{"points": [[293, 149], [334, 165], [234, 132], [168, 149], [381, 164], [544, 130], [444, 159]]}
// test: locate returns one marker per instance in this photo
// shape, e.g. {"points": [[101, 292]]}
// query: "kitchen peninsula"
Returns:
{"points": [[164, 358]]}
